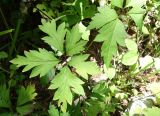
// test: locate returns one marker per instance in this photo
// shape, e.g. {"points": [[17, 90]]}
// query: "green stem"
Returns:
{"points": [[58, 18], [5, 22], [15, 38], [4, 70], [143, 69]]}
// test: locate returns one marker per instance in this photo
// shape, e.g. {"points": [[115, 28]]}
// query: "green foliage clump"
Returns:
{"points": [[95, 58]]}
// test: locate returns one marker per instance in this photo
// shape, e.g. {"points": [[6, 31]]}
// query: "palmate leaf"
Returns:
{"points": [[64, 82], [74, 43], [56, 37], [26, 94], [112, 32], [41, 61], [83, 68]]}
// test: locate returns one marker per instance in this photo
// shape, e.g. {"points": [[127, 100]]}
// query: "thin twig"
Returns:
{"points": [[15, 38], [5, 22], [4, 70], [43, 13]]}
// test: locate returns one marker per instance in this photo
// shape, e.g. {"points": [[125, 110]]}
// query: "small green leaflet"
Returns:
{"points": [[154, 111], [46, 10], [74, 44], [131, 56], [94, 107], [104, 16], [3, 55], [131, 45], [137, 13], [110, 72], [118, 3], [26, 94], [64, 82], [53, 111], [56, 37], [112, 32], [145, 30], [85, 33], [41, 61], [83, 68], [135, 3], [6, 32], [4, 97], [24, 110]]}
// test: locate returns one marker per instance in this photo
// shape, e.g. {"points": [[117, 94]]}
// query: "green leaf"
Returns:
{"points": [[26, 94], [153, 87], [41, 61], [56, 37], [65, 114], [85, 33], [90, 11], [83, 68], [110, 72], [46, 10], [74, 44], [108, 34], [24, 110], [137, 14], [111, 26], [3, 55], [145, 30], [130, 58], [104, 16], [154, 111], [135, 3], [131, 45], [94, 107], [4, 97], [64, 82], [118, 3], [53, 111], [6, 31], [7, 114]]}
